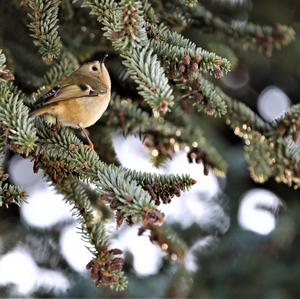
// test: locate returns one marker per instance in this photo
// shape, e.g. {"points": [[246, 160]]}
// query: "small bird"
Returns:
{"points": [[80, 100]]}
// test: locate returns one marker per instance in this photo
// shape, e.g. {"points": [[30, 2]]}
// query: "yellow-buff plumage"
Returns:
{"points": [[81, 99]]}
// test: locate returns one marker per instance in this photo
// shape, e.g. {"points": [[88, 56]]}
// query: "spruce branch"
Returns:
{"points": [[143, 66], [202, 151], [224, 51], [191, 3], [105, 267], [10, 194], [268, 152], [66, 160], [288, 124], [43, 16], [173, 47], [126, 29], [64, 66], [167, 240], [117, 187], [161, 134], [128, 117], [272, 156], [149, 12], [61, 68], [250, 35], [162, 188], [14, 130], [200, 91], [5, 73], [146, 71], [3, 146], [132, 31], [64, 155], [16, 126], [2, 61], [108, 14], [240, 115], [258, 156], [213, 102], [166, 67], [3, 151], [131, 202]]}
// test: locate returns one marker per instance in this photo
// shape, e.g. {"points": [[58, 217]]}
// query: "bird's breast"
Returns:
{"points": [[92, 110], [82, 112]]}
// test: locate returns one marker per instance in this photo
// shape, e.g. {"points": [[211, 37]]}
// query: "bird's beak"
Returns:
{"points": [[103, 59]]}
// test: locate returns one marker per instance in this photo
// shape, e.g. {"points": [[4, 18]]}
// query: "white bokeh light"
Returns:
{"points": [[51, 280], [21, 173], [191, 203], [45, 208], [233, 2], [190, 259], [236, 79], [74, 248], [199, 205], [252, 217], [132, 153], [272, 103], [147, 257], [77, 255], [19, 269], [207, 184]]}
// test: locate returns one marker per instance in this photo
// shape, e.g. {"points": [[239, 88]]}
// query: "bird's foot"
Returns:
{"points": [[55, 129], [90, 146]]}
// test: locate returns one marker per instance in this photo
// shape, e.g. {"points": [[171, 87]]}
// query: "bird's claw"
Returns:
{"points": [[91, 146]]}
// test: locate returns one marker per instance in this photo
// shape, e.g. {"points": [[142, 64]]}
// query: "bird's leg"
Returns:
{"points": [[84, 132], [55, 128]]}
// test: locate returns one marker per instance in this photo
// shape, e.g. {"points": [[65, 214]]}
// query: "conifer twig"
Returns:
{"points": [[250, 35], [43, 25]]}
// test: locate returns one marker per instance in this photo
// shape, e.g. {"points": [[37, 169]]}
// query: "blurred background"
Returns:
{"points": [[243, 237]]}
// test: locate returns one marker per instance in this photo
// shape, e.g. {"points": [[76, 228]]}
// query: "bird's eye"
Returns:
{"points": [[83, 87], [94, 68]]}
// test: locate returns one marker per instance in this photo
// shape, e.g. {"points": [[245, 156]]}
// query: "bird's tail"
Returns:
{"points": [[37, 112]]}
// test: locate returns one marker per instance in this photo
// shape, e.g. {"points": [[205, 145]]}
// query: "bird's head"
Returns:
{"points": [[98, 70]]}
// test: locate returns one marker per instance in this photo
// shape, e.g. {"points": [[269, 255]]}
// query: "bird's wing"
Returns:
{"points": [[77, 77], [64, 93], [71, 91], [41, 101]]}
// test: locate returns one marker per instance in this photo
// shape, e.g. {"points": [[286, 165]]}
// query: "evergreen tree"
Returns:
{"points": [[168, 82]]}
